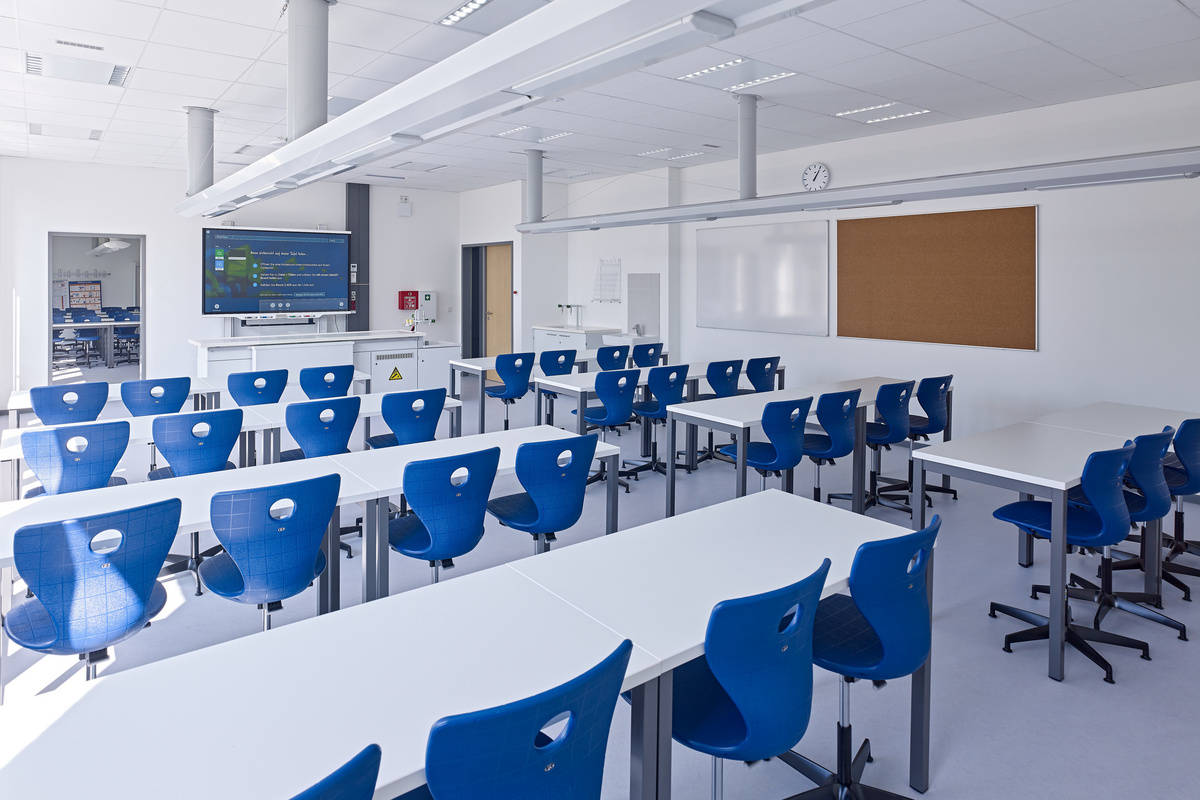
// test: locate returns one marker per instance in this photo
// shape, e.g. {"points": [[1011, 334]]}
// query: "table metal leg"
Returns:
{"points": [[858, 501], [538, 414], [946, 434], [646, 426], [549, 410], [580, 422], [370, 568], [612, 492], [693, 431], [1024, 540], [6, 590], [743, 443], [329, 584], [109, 359], [456, 422], [1152, 560], [650, 740], [671, 434], [276, 443], [1058, 583], [452, 392], [243, 449], [479, 396], [919, 701], [779, 378], [789, 481]]}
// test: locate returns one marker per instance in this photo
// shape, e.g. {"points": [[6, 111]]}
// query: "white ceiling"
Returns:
{"points": [[955, 59]]}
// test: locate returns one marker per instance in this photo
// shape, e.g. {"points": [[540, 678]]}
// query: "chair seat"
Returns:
{"points": [[31, 626], [1134, 501], [408, 536], [817, 443], [38, 491], [703, 716], [843, 641], [1083, 523], [166, 472], [222, 577], [878, 433], [651, 409], [596, 415], [516, 511], [381, 440], [296, 454], [1176, 476], [502, 393], [758, 454], [919, 426], [420, 793]]}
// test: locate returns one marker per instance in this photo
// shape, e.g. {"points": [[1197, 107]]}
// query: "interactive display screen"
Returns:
{"points": [[275, 272]]}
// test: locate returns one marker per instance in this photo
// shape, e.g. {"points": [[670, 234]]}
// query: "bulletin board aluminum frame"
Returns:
{"points": [[800, 268]]}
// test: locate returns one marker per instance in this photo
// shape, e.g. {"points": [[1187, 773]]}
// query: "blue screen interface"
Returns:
{"points": [[275, 272]]}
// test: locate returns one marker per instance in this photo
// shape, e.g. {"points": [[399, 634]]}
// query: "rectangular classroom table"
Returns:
{"points": [[105, 326]]}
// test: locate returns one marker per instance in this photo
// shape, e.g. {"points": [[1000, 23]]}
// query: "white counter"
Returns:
{"points": [[569, 337], [302, 338]]}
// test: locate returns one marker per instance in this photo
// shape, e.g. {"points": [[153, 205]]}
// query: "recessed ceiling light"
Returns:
{"points": [[864, 108], [685, 155], [69, 68], [898, 116], [655, 151], [463, 11], [511, 131], [759, 81], [733, 62], [554, 136]]}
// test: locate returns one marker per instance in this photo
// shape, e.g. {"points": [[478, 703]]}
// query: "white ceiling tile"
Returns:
{"points": [[95, 16], [827, 49], [867, 73], [1067, 91], [186, 61], [1093, 18], [655, 89], [40, 38], [1008, 9], [981, 103], [71, 120], [8, 8], [493, 16], [392, 68], [844, 12], [169, 101], [251, 111], [39, 102], [808, 123], [424, 10], [8, 32], [364, 27], [176, 118], [1177, 26], [816, 95], [787, 31], [1031, 67], [435, 42], [204, 33], [36, 85], [255, 95], [358, 88], [152, 80], [986, 40], [12, 81], [266, 73], [1157, 66], [259, 13], [164, 129], [919, 22], [11, 60]]}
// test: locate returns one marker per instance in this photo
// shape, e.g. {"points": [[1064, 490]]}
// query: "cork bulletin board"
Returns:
{"points": [[965, 277]]}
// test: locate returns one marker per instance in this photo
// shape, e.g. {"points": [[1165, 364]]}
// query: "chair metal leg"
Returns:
{"points": [[1076, 641], [718, 778], [436, 572], [266, 618], [807, 767]]}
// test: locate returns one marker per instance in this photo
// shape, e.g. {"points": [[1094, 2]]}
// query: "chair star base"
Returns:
{"points": [[846, 783], [1129, 602], [190, 563], [1078, 636]]}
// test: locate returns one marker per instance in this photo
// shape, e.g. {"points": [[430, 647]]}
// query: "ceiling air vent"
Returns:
{"points": [[81, 45], [69, 68], [64, 131]]}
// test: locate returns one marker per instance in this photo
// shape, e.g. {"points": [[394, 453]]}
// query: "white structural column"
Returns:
{"points": [[533, 185], [747, 146], [199, 148], [308, 66]]}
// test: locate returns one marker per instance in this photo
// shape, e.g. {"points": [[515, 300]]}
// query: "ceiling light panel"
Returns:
{"points": [[462, 12], [733, 62], [891, 117], [551, 137], [685, 155], [69, 68], [737, 87], [864, 109]]}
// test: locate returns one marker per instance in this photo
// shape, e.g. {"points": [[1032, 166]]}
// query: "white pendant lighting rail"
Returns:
{"points": [[1132, 168]]}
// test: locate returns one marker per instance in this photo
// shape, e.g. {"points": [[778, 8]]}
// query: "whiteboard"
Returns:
{"points": [[772, 278]]}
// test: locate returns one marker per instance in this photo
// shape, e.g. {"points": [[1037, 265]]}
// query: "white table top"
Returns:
{"points": [[1042, 455], [303, 338], [305, 697], [104, 323], [746, 410], [578, 382], [657, 583], [1117, 419], [575, 328], [485, 363]]}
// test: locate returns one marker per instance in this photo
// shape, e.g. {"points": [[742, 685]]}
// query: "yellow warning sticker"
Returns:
{"points": [[395, 376]]}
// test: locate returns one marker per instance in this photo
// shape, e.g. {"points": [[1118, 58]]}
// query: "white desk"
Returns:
{"points": [[1032, 460], [666, 611], [383, 470], [480, 367], [305, 697]]}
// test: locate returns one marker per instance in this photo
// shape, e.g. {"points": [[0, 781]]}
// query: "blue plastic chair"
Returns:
{"points": [[666, 385], [74, 458], [1182, 472], [615, 389], [257, 388], [514, 369], [354, 780], [272, 538], [1148, 499], [89, 338], [749, 696], [321, 427], [613, 357], [554, 476], [447, 509], [147, 397], [761, 374], [933, 394], [783, 422], [512, 757], [879, 632], [835, 413], [1102, 522], [891, 407], [126, 338], [647, 355], [75, 402], [91, 591], [552, 363], [722, 378], [319, 383], [412, 416]]}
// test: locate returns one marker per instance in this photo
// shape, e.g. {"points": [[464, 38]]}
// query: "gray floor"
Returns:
{"points": [[1001, 728]]}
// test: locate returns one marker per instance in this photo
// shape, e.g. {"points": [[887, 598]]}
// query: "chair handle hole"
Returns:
{"points": [[790, 621], [157, 392], [555, 730], [71, 398], [201, 429], [77, 444], [282, 509], [418, 405], [460, 476], [329, 378], [565, 458], [326, 415], [260, 383], [106, 541]]}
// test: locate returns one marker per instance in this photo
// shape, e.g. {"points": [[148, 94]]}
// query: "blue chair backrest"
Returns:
{"points": [[647, 355], [555, 473], [1103, 484], [889, 586], [354, 780], [835, 412], [616, 389], [761, 372], [199, 442], [760, 648], [257, 388], [723, 377], [891, 405], [931, 394], [613, 356], [1187, 449], [667, 383], [557, 362], [1146, 472], [125, 331], [97, 595], [413, 416], [75, 402], [73, 458], [323, 427], [783, 422], [275, 552], [321, 382], [452, 507], [514, 369], [165, 396], [510, 755]]}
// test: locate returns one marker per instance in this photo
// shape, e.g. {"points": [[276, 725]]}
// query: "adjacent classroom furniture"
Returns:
{"points": [[933, 395], [761, 373], [723, 378], [1182, 472], [354, 780], [321, 427], [612, 356], [554, 362], [514, 370], [647, 354], [616, 390], [97, 334], [574, 337]]}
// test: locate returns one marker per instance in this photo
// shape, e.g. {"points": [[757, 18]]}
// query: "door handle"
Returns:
{"points": [[489, 314]]}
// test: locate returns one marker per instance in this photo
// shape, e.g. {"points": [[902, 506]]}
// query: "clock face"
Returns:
{"points": [[815, 177]]}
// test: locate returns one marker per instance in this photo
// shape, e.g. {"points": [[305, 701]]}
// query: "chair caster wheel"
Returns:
{"points": [[870, 759], [1183, 636], [992, 614], [1109, 679], [1007, 649], [1146, 656]]}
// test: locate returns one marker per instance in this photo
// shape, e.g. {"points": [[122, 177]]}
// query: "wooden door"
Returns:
{"points": [[497, 334]]}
